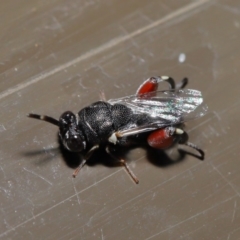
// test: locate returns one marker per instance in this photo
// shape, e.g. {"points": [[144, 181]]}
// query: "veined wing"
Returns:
{"points": [[172, 106]]}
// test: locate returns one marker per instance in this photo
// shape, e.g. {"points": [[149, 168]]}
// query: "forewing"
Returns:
{"points": [[167, 107]]}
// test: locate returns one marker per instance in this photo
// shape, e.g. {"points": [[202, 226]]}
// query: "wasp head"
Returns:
{"points": [[71, 136]]}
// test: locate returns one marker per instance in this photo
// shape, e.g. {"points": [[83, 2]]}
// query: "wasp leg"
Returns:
{"points": [[165, 137], [183, 139], [162, 138], [151, 84], [123, 163], [200, 151], [130, 132], [84, 160], [182, 84]]}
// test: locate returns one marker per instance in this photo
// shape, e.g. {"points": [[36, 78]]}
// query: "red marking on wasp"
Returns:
{"points": [[150, 85], [160, 139]]}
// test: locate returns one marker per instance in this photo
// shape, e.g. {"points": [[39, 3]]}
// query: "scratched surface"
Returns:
{"points": [[56, 56]]}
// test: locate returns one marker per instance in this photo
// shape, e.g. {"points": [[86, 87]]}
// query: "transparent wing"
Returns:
{"points": [[166, 107]]}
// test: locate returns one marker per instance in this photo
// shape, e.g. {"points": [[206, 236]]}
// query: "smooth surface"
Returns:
{"points": [[57, 56]]}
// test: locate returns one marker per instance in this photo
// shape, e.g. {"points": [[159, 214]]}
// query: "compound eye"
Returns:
{"points": [[75, 144]]}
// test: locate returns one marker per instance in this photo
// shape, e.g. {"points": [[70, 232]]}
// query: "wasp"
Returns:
{"points": [[156, 116]]}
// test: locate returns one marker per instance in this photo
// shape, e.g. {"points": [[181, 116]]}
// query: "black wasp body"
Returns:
{"points": [[95, 124], [153, 114]]}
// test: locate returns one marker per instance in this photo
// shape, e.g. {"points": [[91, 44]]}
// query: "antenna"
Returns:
{"points": [[44, 118]]}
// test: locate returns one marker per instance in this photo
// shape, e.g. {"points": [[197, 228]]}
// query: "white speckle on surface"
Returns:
{"points": [[236, 24], [182, 57]]}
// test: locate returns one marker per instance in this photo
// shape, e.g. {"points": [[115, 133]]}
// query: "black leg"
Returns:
{"points": [[172, 84], [200, 151], [183, 139], [182, 84], [169, 80]]}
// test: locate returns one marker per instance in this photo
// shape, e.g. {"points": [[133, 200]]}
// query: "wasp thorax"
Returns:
{"points": [[71, 136]]}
